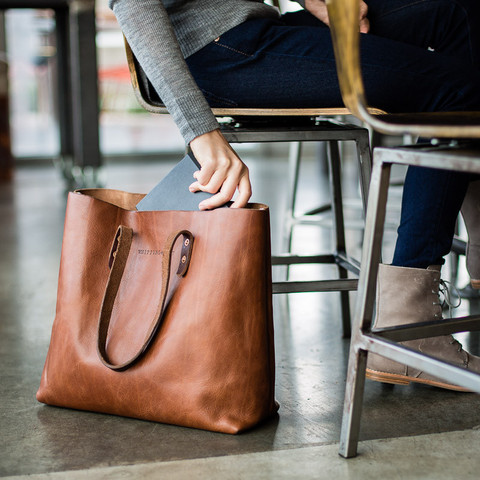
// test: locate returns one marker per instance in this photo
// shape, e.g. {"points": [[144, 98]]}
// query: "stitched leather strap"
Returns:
{"points": [[118, 259]]}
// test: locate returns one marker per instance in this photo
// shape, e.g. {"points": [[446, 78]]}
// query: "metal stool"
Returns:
{"points": [[462, 156]]}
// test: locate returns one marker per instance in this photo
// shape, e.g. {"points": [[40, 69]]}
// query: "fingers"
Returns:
{"points": [[363, 9], [226, 191], [206, 175], [364, 25], [211, 183], [244, 192], [318, 8], [221, 173], [364, 22]]}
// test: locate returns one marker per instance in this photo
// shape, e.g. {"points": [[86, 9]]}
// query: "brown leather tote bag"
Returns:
{"points": [[163, 316]]}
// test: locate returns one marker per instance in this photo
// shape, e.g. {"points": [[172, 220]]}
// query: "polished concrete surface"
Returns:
{"points": [[436, 456], [311, 363]]}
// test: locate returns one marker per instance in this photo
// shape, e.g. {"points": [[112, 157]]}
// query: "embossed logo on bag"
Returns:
{"points": [[144, 251]]}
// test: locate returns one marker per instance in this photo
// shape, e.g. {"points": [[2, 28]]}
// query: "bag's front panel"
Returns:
{"points": [[210, 365], [216, 327]]}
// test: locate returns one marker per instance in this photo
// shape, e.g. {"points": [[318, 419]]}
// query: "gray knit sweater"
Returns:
{"points": [[162, 33]]}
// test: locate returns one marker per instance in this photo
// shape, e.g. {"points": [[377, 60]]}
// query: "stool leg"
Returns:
{"points": [[64, 96], [295, 152], [294, 157], [83, 67], [339, 226], [364, 157], [454, 260], [353, 403], [357, 363]]}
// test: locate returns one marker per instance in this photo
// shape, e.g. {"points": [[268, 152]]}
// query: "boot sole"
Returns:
{"points": [[396, 379]]}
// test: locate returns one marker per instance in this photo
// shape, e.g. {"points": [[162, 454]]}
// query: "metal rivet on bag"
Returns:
{"points": [[187, 242], [184, 259]]}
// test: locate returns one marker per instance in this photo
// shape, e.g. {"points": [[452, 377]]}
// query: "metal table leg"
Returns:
{"points": [[78, 102], [6, 161], [339, 227]]}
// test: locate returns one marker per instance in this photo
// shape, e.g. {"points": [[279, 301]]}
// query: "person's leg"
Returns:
{"points": [[450, 27], [263, 63], [430, 206], [291, 64]]}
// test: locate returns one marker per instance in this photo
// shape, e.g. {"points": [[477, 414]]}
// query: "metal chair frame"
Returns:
{"points": [[248, 125], [453, 155]]}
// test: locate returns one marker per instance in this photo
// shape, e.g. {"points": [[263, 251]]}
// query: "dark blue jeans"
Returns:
{"points": [[420, 55]]}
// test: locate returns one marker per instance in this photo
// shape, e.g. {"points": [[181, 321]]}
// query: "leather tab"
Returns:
{"points": [[186, 253]]}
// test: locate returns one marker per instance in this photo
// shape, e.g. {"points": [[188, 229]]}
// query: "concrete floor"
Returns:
{"points": [[432, 433]]}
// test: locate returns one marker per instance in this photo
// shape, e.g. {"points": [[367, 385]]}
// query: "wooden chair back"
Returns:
{"points": [[344, 25]]}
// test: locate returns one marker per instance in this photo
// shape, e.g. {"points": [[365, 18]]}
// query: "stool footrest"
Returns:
{"points": [[349, 284], [445, 326], [288, 259]]}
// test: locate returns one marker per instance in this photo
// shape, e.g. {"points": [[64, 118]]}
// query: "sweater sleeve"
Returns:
{"points": [[148, 30]]}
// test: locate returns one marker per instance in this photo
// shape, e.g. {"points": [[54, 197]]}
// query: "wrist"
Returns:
{"points": [[207, 145]]}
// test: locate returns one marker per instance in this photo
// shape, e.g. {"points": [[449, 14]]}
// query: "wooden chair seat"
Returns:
{"points": [[150, 101]]}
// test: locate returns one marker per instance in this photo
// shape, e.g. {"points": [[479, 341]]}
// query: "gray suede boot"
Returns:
{"points": [[406, 296], [471, 216]]}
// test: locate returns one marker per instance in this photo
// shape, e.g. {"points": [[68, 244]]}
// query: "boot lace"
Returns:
{"points": [[443, 290]]}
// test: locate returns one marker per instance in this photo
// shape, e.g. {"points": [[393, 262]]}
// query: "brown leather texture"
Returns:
{"points": [[210, 363]]}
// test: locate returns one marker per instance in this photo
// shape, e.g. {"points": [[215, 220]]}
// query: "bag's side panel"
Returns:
{"points": [[274, 406], [89, 229]]}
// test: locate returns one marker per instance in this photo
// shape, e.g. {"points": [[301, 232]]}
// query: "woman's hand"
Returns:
{"points": [[222, 172], [319, 10]]}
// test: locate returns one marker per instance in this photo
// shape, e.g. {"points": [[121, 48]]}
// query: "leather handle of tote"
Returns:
{"points": [[118, 259]]}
